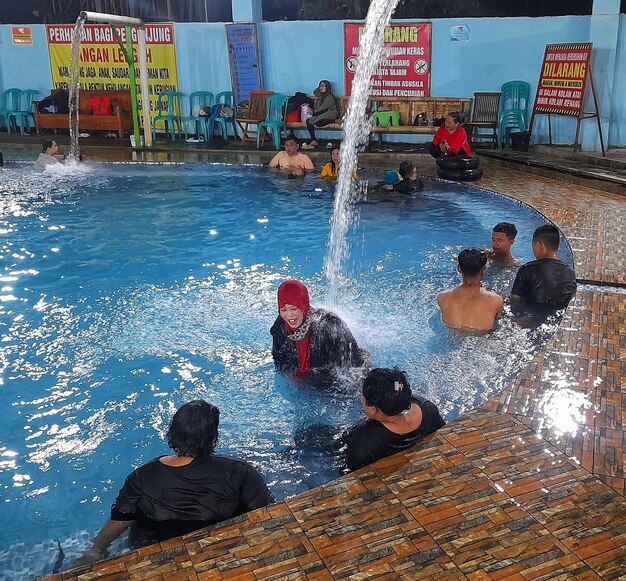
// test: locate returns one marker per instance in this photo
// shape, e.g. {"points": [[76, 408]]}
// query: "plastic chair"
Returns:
{"points": [[10, 104], [197, 100], [274, 122], [226, 99], [25, 111], [513, 109], [168, 104]]}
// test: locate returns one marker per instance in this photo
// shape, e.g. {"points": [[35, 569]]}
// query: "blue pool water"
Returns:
{"points": [[127, 290]]}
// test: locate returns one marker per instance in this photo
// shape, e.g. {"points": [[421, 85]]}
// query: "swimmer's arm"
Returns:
{"points": [[274, 161], [308, 164], [108, 533]]}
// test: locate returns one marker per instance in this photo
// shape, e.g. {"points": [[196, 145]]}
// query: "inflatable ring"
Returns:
{"points": [[464, 175], [456, 163]]}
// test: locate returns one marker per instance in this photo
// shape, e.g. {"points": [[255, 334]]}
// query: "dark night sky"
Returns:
{"points": [[37, 11]]}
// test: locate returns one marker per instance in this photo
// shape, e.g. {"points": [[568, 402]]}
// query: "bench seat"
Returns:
{"points": [[120, 120]]}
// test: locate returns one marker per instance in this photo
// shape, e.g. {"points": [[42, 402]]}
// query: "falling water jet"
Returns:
{"points": [[356, 128], [74, 86]]}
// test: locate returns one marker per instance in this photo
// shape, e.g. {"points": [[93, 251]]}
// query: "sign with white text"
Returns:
{"points": [[561, 87], [102, 62], [404, 69]]}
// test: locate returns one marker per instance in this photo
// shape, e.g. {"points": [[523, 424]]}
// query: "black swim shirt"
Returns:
{"points": [[545, 282], [369, 440]]}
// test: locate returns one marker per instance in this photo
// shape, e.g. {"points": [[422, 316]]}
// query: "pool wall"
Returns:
{"points": [[296, 55]]}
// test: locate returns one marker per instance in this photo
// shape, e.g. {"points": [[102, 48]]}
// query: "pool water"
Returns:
{"points": [[128, 290]]}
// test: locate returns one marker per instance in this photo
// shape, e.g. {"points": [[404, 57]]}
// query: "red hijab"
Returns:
{"points": [[293, 292]]}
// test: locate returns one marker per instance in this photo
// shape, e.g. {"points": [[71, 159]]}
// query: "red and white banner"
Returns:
{"points": [[404, 69], [561, 87]]}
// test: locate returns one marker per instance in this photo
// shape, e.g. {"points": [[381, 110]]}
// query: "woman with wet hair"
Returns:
{"points": [[174, 495], [396, 419]]}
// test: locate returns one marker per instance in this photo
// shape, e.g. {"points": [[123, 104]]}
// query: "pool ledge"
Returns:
{"points": [[529, 486]]}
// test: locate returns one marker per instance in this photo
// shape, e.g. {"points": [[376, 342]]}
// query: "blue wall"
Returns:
{"points": [[296, 55]]}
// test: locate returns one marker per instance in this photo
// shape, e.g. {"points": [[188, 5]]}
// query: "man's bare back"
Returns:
{"points": [[470, 308]]}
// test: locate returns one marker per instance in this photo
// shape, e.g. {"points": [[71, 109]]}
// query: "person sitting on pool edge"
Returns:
{"points": [[450, 139], [174, 495], [547, 280], [409, 180], [291, 160], [48, 154], [469, 306], [396, 419], [306, 339], [502, 238]]}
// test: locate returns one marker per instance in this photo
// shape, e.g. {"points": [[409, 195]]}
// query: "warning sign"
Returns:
{"points": [[561, 88], [404, 69], [22, 35]]}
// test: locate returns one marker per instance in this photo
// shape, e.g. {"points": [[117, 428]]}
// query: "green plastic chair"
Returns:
{"points": [[513, 109], [225, 98], [168, 103], [25, 111], [10, 104], [274, 119], [197, 100]]}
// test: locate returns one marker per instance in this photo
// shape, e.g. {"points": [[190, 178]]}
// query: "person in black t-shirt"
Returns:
{"points": [[409, 180], [396, 419], [546, 281], [174, 495]]}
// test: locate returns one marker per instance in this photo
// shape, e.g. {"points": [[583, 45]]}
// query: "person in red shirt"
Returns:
{"points": [[450, 139]]}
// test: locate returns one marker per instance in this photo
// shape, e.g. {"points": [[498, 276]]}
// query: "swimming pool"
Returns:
{"points": [[127, 290]]}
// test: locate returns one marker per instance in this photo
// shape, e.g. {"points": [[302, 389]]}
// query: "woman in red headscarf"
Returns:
{"points": [[306, 338]]}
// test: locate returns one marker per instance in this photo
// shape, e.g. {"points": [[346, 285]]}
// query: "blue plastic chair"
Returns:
{"points": [[25, 112], [10, 104], [513, 109], [198, 100], [169, 107], [226, 99], [274, 122]]}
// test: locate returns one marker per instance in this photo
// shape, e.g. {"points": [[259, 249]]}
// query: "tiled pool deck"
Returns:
{"points": [[529, 486]]}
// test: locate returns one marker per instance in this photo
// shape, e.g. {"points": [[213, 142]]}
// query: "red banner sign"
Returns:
{"points": [[404, 69], [22, 35], [561, 87]]}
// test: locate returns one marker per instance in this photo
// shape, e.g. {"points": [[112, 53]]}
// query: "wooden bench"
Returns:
{"points": [[431, 107], [120, 120]]}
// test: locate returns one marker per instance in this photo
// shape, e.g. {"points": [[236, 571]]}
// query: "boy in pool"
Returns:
{"points": [[470, 307], [502, 238]]}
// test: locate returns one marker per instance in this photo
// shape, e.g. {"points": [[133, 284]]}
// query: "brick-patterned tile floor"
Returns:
{"points": [[530, 486]]}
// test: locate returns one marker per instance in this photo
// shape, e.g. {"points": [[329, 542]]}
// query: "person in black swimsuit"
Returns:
{"points": [[396, 419], [174, 495], [546, 281]]}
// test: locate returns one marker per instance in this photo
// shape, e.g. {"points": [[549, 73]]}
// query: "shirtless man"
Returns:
{"points": [[469, 306], [291, 160], [502, 238]]}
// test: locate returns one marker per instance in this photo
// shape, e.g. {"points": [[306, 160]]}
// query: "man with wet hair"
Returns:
{"points": [[546, 281], [502, 238], [291, 160], [396, 419], [470, 307]]}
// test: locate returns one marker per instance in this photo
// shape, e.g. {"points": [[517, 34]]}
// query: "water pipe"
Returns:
{"points": [[113, 19]]}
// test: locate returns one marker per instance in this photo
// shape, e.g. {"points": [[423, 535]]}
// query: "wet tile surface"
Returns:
{"points": [[530, 486]]}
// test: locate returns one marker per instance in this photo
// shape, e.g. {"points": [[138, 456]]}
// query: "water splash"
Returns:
{"points": [[74, 86], [356, 128]]}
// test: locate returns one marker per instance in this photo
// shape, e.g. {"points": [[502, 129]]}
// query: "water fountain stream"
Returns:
{"points": [[74, 86], [356, 129]]}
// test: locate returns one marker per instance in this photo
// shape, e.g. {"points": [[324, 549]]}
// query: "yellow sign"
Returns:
{"points": [[102, 62]]}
